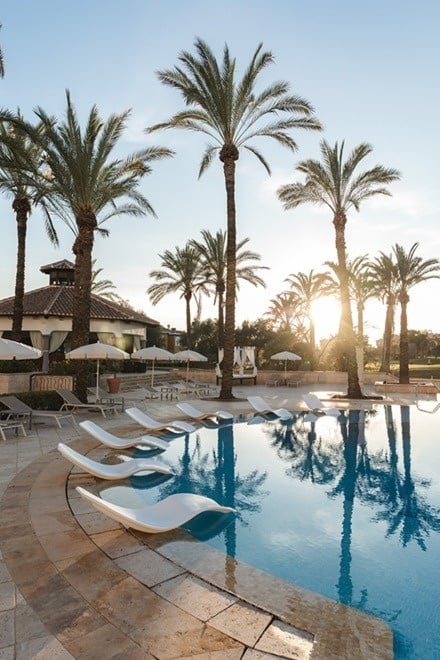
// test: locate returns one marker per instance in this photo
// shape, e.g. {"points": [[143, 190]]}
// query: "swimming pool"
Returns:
{"points": [[349, 508]]}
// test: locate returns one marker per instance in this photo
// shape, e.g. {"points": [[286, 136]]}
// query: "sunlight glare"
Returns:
{"points": [[326, 312]]}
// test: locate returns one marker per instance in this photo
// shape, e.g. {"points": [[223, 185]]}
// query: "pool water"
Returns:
{"points": [[347, 507]]}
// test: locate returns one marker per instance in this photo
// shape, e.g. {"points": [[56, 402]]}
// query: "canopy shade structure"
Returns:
{"points": [[286, 356], [97, 351], [189, 356], [152, 353], [14, 350]]}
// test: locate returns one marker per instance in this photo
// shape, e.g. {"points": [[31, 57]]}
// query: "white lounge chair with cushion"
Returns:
{"points": [[116, 471], [263, 408], [316, 406], [169, 513], [194, 413], [177, 427], [115, 442]]}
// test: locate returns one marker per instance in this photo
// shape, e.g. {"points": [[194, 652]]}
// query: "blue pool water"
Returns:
{"points": [[349, 508]]}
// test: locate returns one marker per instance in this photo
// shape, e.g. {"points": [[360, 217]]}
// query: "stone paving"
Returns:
{"points": [[75, 584]]}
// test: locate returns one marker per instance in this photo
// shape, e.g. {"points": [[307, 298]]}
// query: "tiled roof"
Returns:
{"points": [[64, 264], [54, 300]]}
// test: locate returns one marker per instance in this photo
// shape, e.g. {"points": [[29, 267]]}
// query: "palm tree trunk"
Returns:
{"points": [[82, 248], [387, 335], [312, 338], [22, 210], [403, 348], [228, 155], [346, 332], [188, 319], [221, 322]]}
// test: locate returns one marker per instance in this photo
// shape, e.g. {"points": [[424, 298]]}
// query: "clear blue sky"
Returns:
{"points": [[369, 69]]}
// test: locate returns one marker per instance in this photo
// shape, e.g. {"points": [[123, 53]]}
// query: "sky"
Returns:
{"points": [[370, 70]]}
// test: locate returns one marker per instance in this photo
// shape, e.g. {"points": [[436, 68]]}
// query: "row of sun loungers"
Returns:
{"points": [[177, 509]]}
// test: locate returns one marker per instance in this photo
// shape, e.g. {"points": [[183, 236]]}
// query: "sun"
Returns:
{"points": [[326, 313]]}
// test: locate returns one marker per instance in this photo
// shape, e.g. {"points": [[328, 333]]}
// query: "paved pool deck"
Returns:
{"points": [[75, 584]]}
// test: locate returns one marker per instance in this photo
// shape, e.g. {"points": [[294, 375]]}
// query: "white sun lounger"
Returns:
{"points": [[151, 424], [316, 406], [169, 513], [262, 408], [115, 442], [117, 471], [194, 413]]}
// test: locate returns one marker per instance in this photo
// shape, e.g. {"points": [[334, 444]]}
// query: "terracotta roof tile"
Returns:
{"points": [[54, 300]]}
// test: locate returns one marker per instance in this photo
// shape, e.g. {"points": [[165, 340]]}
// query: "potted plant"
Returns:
{"points": [[113, 384]]}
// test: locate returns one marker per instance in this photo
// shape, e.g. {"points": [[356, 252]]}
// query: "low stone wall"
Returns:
{"points": [[410, 388], [10, 383], [46, 382]]}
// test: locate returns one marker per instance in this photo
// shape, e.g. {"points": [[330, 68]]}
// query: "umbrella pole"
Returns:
{"points": [[187, 371], [152, 373], [97, 382]]}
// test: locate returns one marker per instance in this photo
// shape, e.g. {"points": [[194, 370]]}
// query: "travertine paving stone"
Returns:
{"points": [[7, 636], [243, 622], [7, 596], [149, 567], [117, 543], [195, 596], [281, 639]]}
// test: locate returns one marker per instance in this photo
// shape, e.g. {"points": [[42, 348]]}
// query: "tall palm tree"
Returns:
{"points": [[384, 282], [2, 66], [306, 288], [181, 271], [336, 183], [16, 149], [84, 182], [360, 287], [231, 113], [214, 257], [410, 270]]}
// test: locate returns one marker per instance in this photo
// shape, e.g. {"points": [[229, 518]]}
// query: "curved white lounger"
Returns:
{"points": [[115, 442], [194, 413], [316, 406], [262, 408], [169, 513], [151, 424], [117, 471]]}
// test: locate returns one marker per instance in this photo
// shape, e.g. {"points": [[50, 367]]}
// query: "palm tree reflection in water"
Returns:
{"points": [[214, 474], [374, 479]]}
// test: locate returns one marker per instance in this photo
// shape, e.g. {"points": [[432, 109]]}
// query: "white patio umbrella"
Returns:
{"points": [[189, 356], [152, 353], [97, 352], [286, 356], [14, 350]]}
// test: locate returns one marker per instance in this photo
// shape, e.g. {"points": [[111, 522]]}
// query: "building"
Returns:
{"points": [[48, 312]]}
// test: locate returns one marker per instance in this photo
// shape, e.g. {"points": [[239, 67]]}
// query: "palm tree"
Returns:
{"points": [[306, 288], [15, 149], [337, 185], [410, 270], [2, 68], [104, 288], [283, 311], [84, 183], [384, 282], [182, 271], [213, 253], [231, 114]]}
